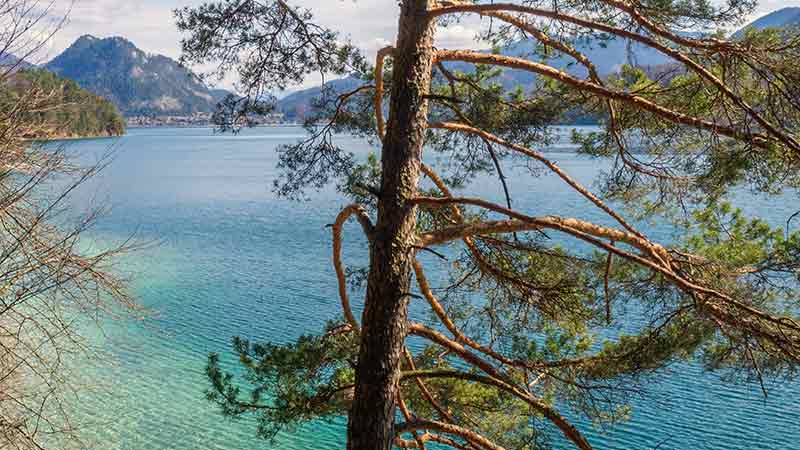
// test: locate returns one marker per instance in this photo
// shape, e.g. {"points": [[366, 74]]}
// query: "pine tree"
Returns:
{"points": [[498, 369]]}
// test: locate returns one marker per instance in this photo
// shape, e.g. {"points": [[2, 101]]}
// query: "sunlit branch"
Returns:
{"points": [[459, 7], [502, 381], [544, 160], [594, 75], [366, 225], [430, 437], [756, 139], [606, 288], [440, 184], [491, 10], [426, 393], [437, 308], [458, 218], [419, 440], [451, 104], [443, 413], [522, 222], [590, 233], [450, 429], [707, 43]]}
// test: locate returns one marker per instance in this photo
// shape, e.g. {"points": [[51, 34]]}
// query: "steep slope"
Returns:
{"points": [[219, 94], [69, 111], [137, 82], [297, 105], [608, 56], [782, 18]]}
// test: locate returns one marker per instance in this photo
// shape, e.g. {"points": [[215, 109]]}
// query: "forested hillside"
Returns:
{"points": [[69, 111]]}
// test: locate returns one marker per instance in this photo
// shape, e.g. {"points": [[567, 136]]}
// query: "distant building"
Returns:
{"points": [[194, 120]]}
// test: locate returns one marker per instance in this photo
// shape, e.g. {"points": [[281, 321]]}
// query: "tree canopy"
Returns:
{"points": [[70, 112], [527, 328]]}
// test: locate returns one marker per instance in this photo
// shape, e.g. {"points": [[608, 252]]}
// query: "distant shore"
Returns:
{"points": [[74, 138], [211, 125], [148, 127]]}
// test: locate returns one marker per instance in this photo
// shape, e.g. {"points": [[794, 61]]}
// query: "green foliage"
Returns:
{"points": [[479, 98], [363, 182], [665, 164], [765, 258], [577, 328], [297, 48], [471, 402], [69, 110], [308, 380]]}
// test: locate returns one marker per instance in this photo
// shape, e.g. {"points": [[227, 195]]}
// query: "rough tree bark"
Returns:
{"points": [[384, 322]]}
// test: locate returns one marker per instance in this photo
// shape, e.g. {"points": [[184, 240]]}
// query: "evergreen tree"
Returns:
{"points": [[517, 338], [71, 111]]}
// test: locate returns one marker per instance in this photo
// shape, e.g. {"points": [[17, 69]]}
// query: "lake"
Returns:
{"points": [[229, 258]]}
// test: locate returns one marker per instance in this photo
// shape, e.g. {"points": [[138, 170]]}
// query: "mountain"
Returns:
{"points": [[782, 18], [137, 82], [69, 112], [608, 56], [295, 106], [219, 94]]}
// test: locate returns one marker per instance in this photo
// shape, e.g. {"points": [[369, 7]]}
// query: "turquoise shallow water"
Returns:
{"points": [[231, 259]]}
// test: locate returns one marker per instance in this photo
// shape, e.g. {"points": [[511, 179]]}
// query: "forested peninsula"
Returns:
{"points": [[63, 109]]}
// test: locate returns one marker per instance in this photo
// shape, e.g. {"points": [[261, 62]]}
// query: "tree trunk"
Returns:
{"points": [[384, 322]]}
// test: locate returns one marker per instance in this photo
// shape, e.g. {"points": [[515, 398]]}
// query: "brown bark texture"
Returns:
{"points": [[384, 321]]}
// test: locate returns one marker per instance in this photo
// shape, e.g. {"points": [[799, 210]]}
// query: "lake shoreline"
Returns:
{"points": [[74, 138], [188, 127]]}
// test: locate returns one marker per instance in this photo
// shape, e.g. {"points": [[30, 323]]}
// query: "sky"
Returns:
{"points": [[150, 25]]}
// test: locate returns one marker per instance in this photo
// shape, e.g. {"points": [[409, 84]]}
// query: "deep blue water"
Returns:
{"points": [[229, 258]]}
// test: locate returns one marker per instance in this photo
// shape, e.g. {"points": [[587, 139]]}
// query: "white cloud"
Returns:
{"points": [[371, 47], [149, 24], [370, 24], [458, 36]]}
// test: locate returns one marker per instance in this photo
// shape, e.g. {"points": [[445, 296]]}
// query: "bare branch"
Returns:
{"points": [[366, 225]]}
